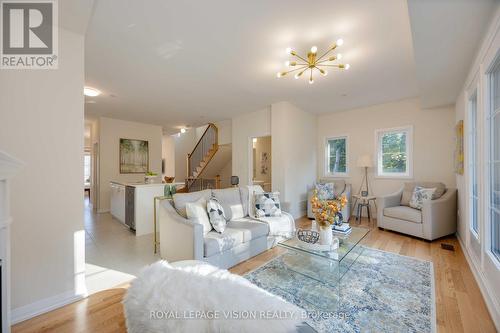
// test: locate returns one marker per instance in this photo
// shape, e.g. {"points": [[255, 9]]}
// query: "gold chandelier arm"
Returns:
{"points": [[324, 54], [338, 66], [296, 55], [296, 69], [311, 75]]}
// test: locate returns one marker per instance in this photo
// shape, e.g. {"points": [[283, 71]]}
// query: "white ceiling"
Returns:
{"points": [[447, 34], [178, 63]]}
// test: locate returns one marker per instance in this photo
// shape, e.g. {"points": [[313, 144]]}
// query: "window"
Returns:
{"points": [[336, 156], [394, 152], [494, 159], [473, 162]]}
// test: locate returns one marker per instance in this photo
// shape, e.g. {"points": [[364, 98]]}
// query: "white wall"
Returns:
{"points": [[433, 141], [41, 119], [485, 268], [293, 150], [110, 132], [294, 156], [225, 175], [168, 155], [244, 128]]}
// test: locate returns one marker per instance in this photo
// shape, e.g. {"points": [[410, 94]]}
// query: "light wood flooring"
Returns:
{"points": [[459, 304]]}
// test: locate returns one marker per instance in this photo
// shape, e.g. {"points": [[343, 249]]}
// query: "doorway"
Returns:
{"points": [[262, 162]]}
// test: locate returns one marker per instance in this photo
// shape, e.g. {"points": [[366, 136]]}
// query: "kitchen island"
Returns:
{"points": [[132, 204]]}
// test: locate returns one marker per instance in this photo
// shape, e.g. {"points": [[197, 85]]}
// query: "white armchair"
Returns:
{"points": [[438, 218]]}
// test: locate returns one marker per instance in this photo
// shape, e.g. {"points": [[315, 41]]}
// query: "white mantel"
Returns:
{"points": [[8, 168]]}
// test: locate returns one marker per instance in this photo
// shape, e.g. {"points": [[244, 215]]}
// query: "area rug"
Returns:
{"points": [[380, 292]]}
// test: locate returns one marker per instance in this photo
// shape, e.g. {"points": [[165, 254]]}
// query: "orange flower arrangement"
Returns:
{"points": [[326, 210]]}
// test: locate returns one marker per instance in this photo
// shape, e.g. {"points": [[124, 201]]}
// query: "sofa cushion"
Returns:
{"points": [[180, 199], [197, 212], [410, 186], [339, 185], [404, 213], [267, 204], [244, 199], [421, 195], [251, 229], [215, 243], [216, 214], [230, 200], [325, 191]]}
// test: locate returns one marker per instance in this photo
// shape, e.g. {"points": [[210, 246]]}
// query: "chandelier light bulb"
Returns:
{"points": [[339, 56], [314, 49], [347, 66], [311, 81], [323, 72], [297, 76], [278, 75], [340, 42], [287, 63], [288, 50]]}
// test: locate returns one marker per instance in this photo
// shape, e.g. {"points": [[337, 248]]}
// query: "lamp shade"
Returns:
{"points": [[365, 161]]}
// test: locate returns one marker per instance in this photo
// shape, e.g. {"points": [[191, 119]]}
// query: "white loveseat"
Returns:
{"points": [[243, 238]]}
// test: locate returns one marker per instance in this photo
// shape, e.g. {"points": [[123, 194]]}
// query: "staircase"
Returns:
{"points": [[199, 158]]}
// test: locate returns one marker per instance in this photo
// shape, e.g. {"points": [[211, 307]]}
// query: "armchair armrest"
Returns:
{"points": [[439, 217], [180, 239], [391, 200]]}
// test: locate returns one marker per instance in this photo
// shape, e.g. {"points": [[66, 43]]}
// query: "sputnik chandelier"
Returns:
{"points": [[312, 62]]}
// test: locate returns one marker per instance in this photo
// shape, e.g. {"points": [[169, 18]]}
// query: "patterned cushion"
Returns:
{"points": [[326, 191], [267, 204], [216, 215], [420, 195]]}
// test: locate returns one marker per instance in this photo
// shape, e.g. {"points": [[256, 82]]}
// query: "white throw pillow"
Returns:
{"points": [[216, 215], [421, 195], [267, 204], [197, 212]]}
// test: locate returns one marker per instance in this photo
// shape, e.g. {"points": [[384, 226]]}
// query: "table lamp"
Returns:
{"points": [[364, 161]]}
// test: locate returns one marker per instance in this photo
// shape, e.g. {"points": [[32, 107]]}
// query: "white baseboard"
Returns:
{"points": [[44, 305], [484, 286], [101, 211]]}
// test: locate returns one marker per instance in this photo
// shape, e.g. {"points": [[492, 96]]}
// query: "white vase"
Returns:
{"points": [[325, 235]]}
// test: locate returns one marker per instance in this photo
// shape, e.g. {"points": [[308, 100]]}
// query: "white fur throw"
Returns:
{"points": [[203, 298]]}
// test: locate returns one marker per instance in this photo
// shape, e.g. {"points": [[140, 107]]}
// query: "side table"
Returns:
{"points": [[363, 201]]}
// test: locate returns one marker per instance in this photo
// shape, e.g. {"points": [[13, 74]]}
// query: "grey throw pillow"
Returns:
{"points": [[216, 215]]}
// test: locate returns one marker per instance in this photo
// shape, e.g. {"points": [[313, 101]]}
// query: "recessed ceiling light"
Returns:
{"points": [[183, 130], [91, 92]]}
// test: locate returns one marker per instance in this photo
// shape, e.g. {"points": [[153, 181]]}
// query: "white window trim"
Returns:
{"points": [[474, 90], [409, 153], [326, 172]]}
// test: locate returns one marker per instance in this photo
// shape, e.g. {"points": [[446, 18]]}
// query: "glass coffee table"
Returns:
{"points": [[323, 269]]}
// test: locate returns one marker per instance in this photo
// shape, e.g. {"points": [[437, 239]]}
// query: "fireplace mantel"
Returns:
{"points": [[9, 166]]}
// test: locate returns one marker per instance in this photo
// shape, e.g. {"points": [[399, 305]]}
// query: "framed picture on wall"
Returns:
{"points": [[134, 156]]}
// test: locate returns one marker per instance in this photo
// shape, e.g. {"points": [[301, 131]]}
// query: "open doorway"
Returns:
{"points": [[261, 162]]}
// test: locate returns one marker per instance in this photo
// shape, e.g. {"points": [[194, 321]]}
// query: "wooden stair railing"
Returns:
{"points": [[203, 152]]}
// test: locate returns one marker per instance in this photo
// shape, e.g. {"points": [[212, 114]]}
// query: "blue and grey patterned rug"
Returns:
{"points": [[381, 292]]}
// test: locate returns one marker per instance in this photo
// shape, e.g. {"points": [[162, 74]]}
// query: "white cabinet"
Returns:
{"points": [[117, 206]]}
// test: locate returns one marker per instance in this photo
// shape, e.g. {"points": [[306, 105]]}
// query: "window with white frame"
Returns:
{"points": [[473, 162], [494, 159], [394, 149], [336, 156]]}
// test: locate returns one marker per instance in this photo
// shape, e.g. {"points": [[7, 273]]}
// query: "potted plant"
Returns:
{"points": [[149, 177], [326, 213]]}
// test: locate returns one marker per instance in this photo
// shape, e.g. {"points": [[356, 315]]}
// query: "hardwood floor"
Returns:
{"points": [[459, 304]]}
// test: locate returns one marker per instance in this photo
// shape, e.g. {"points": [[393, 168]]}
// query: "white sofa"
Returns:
{"points": [[438, 217], [340, 185], [243, 238]]}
